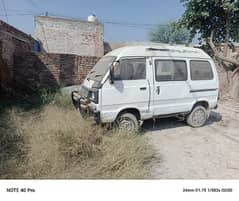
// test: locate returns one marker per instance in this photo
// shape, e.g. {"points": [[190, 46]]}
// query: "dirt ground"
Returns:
{"points": [[209, 152]]}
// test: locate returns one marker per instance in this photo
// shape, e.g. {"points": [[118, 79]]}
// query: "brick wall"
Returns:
{"points": [[12, 42], [22, 69], [34, 71], [68, 36], [85, 64], [67, 69], [16, 33]]}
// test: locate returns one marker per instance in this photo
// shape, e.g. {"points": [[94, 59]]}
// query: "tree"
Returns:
{"points": [[170, 33], [217, 22]]}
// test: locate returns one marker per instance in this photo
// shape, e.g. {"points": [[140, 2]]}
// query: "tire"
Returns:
{"points": [[197, 117], [127, 122]]}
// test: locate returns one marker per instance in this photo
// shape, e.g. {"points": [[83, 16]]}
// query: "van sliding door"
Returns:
{"points": [[171, 89]]}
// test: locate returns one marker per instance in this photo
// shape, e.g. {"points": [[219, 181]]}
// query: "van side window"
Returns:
{"points": [[201, 70], [170, 70], [131, 69]]}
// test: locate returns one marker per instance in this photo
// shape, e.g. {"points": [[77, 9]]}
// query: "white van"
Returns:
{"points": [[135, 83]]}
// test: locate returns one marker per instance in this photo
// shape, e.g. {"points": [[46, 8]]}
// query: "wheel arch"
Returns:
{"points": [[131, 110], [203, 103]]}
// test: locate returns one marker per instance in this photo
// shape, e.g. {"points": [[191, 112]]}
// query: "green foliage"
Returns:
{"points": [[170, 33], [56, 98], [63, 101], [45, 96], [203, 16]]}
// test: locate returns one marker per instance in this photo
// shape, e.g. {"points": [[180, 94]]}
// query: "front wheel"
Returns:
{"points": [[197, 117], [127, 122]]}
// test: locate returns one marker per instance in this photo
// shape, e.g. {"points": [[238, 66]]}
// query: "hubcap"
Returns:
{"points": [[126, 124], [199, 117]]}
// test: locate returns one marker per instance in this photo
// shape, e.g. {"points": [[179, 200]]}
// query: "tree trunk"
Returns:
{"points": [[225, 50], [234, 85]]}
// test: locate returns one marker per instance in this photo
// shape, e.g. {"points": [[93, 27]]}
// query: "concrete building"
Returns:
{"points": [[67, 36]]}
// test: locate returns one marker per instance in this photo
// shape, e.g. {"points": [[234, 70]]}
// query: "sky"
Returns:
{"points": [[146, 13]]}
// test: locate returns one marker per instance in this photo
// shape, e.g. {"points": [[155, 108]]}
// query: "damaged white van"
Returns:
{"points": [[135, 83]]}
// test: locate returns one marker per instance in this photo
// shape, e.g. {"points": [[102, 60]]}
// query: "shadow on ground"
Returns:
{"points": [[173, 122]]}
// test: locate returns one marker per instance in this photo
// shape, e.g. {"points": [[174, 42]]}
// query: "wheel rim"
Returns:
{"points": [[198, 117], [126, 124]]}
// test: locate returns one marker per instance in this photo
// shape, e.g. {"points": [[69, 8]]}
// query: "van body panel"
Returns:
{"points": [[162, 50], [123, 95], [88, 83], [174, 97]]}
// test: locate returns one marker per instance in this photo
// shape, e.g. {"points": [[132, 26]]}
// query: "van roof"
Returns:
{"points": [[159, 50]]}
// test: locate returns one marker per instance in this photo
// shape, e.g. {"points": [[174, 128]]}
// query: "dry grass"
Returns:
{"points": [[57, 143]]}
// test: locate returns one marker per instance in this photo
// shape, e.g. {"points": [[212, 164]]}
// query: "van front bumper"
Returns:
{"points": [[85, 106]]}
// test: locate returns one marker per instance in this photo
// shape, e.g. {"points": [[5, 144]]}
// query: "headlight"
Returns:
{"points": [[93, 96]]}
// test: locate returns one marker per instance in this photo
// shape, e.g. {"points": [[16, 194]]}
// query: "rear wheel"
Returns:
{"points": [[197, 117], [127, 122]]}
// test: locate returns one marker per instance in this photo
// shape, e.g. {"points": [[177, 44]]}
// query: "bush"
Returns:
{"points": [[124, 156], [12, 149], [63, 101], [57, 143]]}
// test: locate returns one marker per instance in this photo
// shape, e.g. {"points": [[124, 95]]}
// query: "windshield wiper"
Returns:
{"points": [[98, 75], [92, 71]]}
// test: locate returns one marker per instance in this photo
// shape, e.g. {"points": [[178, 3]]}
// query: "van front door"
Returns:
{"points": [[171, 90], [129, 90]]}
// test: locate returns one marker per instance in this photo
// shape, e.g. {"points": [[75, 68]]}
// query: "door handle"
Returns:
{"points": [[158, 90], [143, 88]]}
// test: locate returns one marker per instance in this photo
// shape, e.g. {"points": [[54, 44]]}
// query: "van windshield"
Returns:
{"points": [[98, 71]]}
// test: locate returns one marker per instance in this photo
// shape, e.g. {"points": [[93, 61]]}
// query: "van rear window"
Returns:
{"points": [[201, 70], [170, 70]]}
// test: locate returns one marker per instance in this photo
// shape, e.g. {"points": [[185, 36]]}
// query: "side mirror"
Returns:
{"points": [[111, 76]]}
